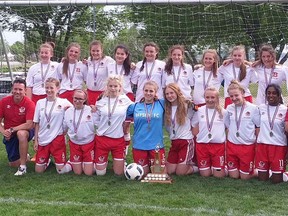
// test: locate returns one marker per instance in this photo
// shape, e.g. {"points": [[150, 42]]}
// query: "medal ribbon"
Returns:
{"points": [[270, 77], [148, 116], [178, 75], [76, 126], [234, 73], [271, 122], [205, 84], [121, 71], [48, 117], [113, 109], [238, 120], [210, 123], [148, 76], [43, 76], [173, 119], [71, 76], [95, 72]]}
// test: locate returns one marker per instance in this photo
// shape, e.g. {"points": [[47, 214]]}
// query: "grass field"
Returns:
{"points": [[53, 194]]}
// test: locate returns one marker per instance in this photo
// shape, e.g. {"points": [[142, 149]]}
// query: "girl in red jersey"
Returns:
{"points": [[209, 127], [178, 116], [242, 120]]}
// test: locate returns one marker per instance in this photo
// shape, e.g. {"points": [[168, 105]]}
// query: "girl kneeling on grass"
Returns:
{"points": [[209, 127], [49, 133], [272, 140], [178, 116], [242, 121], [110, 117], [78, 120]]}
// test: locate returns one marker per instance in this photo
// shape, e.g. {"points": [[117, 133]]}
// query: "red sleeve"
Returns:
{"points": [[30, 109], [1, 108], [286, 117]]}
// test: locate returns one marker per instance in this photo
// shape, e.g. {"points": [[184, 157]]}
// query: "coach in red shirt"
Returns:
{"points": [[16, 112]]}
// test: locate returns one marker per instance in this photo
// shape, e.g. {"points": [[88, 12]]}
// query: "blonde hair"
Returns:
{"points": [[181, 111], [216, 60], [267, 48], [217, 105], [48, 45], [151, 83], [235, 85], [116, 78], [53, 80], [243, 70]]}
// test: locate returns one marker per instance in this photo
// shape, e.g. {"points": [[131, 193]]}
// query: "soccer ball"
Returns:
{"points": [[134, 171]]}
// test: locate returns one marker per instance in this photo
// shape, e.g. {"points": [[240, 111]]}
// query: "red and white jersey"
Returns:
{"points": [[247, 122], [217, 127], [276, 135], [227, 73], [177, 131], [50, 125], [97, 74], [183, 76], [80, 128], [115, 69], [151, 71], [37, 75], [201, 80], [75, 76], [268, 76], [111, 127]]}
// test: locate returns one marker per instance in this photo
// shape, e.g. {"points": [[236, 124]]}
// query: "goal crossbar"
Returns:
{"points": [[126, 2]]}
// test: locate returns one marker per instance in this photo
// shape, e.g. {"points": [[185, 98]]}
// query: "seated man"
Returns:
{"points": [[16, 112]]}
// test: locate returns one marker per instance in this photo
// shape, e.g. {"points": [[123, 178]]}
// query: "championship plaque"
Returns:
{"points": [[158, 174]]}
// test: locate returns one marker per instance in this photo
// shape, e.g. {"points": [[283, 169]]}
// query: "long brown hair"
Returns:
{"points": [[152, 44], [243, 70], [182, 105], [169, 63], [96, 43], [217, 105], [216, 60], [267, 48], [234, 84], [66, 58]]}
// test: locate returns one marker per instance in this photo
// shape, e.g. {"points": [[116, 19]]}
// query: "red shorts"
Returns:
{"points": [[240, 157], [82, 153], [106, 144], [57, 148], [147, 157], [181, 152], [210, 155], [93, 96], [35, 98], [68, 95], [270, 157], [228, 100]]}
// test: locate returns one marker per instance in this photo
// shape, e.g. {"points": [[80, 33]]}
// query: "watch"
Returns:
{"points": [[11, 130]]}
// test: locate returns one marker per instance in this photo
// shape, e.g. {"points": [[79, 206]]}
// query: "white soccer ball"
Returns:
{"points": [[134, 171]]}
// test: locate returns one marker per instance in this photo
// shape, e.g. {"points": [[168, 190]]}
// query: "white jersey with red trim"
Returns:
{"points": [[38, 74], [276, 135], [185, 81], [83, 132], [250, 119], [111, 126], [139, 78], [96, 79], [50, 126], [72, 81], [217, 127]]}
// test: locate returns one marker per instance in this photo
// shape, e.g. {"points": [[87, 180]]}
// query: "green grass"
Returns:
{"points": [[53, 194]]}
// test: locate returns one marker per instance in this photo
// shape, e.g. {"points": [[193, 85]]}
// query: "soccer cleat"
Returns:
{"points": [[285, 176], [20, 171]]}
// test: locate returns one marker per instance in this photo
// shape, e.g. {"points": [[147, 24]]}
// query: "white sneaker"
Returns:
{"points": [[20, 171]]}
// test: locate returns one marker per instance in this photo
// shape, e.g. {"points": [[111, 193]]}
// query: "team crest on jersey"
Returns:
{"points": [[203, 163], [21, 110], [275, 74], [59, 107], [230, 164], [247, 113], [261, 164], [76, 158], [230, 113], [52, 67], [77, 70], [120, 101], [202, 116], [88, 117], [101, 158], [8, 106], [185, 73], [159, 69], [280, 115]]}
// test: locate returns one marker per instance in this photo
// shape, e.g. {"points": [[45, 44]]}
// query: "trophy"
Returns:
{"points": [[158, 174]]}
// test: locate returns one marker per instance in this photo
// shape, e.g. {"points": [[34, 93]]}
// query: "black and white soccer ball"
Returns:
{"points": [[134, 171]]}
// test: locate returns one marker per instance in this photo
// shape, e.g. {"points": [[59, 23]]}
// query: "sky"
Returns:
{"points": [[12, 37]]}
